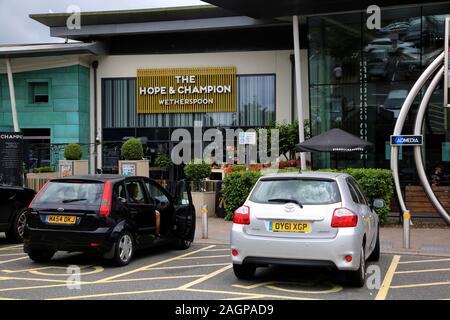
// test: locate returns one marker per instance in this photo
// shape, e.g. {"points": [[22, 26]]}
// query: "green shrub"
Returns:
{"points": [[376, 184], [73, 151], [197, 171], [236, 188], [163, 161], [132, 150], [42, 170], [238, 167]]}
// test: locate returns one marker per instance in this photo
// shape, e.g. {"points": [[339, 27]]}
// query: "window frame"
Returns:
{"points": [[30, 97]]}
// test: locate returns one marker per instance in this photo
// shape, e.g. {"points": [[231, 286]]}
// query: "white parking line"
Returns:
{"points": [[424, 261], [12, 260]]}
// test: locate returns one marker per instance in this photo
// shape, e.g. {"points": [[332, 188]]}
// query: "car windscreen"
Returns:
{"points": [[86, 193], [305, 191]]}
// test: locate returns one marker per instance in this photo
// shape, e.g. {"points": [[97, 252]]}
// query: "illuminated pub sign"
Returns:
{"points": [[186, 90]]}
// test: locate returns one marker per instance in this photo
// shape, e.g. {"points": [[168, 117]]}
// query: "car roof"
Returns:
{"points": [[93, 177], [304, 174]]}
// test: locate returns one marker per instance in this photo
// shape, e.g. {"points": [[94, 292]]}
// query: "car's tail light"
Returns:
{"points": [[105, 205], [242, 215], [344, 218], [36, 197]]}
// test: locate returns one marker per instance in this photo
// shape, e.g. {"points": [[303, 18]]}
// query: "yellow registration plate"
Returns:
{"points": [[290, 226], [61, 219]]}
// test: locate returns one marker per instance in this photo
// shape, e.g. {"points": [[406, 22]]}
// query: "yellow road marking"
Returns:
{"points": [[256, 296], [421, 261], [44, 268], [9, 299], [270, 285], [422, 271], [205, 257], [34, 287], [153, 264], [189, 266], [248, 294], [12, 260], [334, 289], [210, 250], [113, 294], [156, 278], [207, 277], [382, 293], [97, 269], [11, 254], [415, 285], [11, 247], [35, 279]]}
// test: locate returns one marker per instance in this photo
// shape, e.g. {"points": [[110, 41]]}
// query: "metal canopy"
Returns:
{"points": [[50, 49], [282, 8]]}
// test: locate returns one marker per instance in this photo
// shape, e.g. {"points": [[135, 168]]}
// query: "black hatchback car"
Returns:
{"points": [[109, 214]]}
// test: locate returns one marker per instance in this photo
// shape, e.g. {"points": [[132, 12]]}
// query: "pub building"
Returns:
{"points": [[145, 73]]}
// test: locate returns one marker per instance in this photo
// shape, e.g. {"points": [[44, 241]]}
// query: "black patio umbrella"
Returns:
{"points": [[335, 140]]}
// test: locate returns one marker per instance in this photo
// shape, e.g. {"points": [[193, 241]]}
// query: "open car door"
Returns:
{"points": [[184, 218]]}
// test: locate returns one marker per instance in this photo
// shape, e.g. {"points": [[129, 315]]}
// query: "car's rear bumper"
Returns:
{"points": [[98, 240], [307, 252]]}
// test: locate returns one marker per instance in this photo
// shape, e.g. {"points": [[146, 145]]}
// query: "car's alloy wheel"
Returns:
{"points": [[124, 249], [18, 226]]}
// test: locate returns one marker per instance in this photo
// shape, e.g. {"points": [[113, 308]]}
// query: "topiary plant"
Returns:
{"points": [[132, 150], [73, 151], [197, 171], [163, 161]]}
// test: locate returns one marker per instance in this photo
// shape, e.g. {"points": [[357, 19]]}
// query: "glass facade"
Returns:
{"points": [[255, 106], [359, 79]]}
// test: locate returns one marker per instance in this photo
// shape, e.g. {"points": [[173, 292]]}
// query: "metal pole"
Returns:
{"points": [[406, 229], [12, 95], [298, 88], [204, 213]]}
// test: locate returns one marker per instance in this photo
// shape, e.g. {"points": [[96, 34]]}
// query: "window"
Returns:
{"points": [[157, 196], [353, 193], [38, 92], [306, 191], [136, 194], [72, 192]]}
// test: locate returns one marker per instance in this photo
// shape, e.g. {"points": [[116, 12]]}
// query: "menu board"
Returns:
{"points": [[11, 158]]}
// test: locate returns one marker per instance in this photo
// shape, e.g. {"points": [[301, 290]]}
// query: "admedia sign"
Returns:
{"points": [[407, 140]]}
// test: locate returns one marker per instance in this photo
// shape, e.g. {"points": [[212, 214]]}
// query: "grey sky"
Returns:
{"points": [[17, 27]]}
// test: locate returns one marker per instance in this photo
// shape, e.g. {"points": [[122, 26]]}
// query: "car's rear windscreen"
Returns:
{"points": [[86, 193], [305, 191]]}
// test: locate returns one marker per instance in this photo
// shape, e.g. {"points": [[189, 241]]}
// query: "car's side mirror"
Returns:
{"points": [[378, 203]]}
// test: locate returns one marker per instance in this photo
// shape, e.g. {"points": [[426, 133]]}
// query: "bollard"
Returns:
{"points": [[204, 221], [406, 229]]}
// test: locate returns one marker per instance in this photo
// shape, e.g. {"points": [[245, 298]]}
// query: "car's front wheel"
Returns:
{"points": [[16, 230], [358, 278], [41, 255], [124, 249], [244, 271], [182, 244]]}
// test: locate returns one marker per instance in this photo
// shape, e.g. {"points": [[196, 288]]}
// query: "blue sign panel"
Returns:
{"points": [[406, 140]]}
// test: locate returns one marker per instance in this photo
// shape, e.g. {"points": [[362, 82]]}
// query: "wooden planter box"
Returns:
{"points": [[35, 181], [134, 167], [73, 167], [419, 204]]}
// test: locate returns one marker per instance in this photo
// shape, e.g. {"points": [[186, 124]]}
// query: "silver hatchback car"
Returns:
{"points": [[306, 219]]}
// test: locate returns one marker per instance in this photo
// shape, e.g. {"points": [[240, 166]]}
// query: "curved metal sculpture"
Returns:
{"points": [[417, 130]]}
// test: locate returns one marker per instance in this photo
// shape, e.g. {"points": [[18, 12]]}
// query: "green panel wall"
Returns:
{"points": [[66, 114]]}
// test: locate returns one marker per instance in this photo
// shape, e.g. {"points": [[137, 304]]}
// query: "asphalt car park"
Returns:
{"points": [[205, 272]]}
